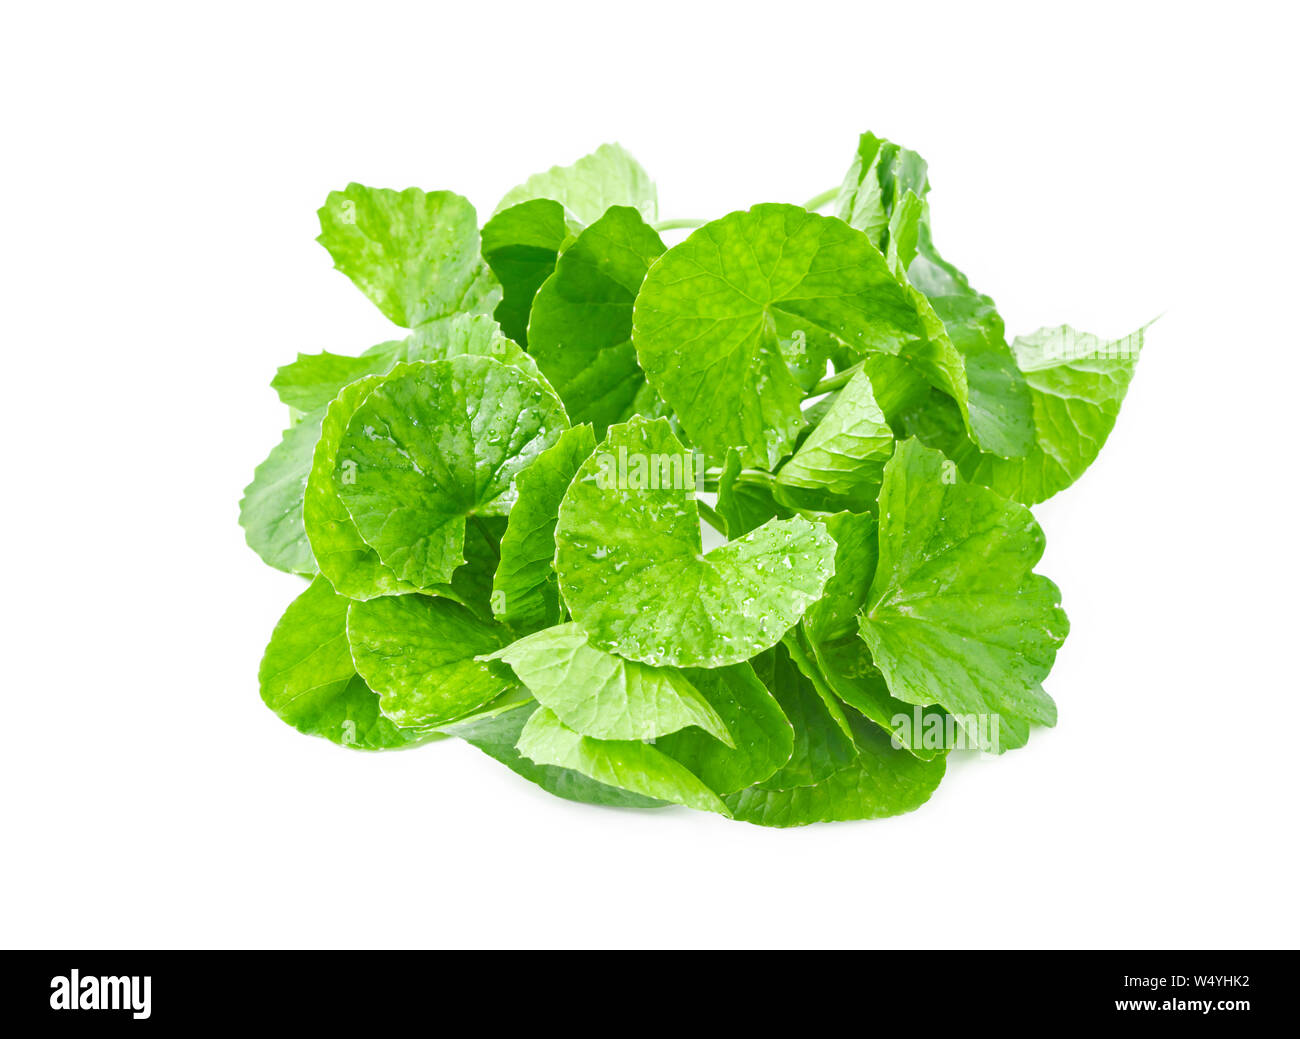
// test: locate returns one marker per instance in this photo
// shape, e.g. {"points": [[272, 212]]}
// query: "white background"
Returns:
{"points": [[162, 169]]}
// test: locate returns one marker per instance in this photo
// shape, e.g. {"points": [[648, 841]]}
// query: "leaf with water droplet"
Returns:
{"points": [[705, 325], [735, 600], [409, 489], [602, 695]]}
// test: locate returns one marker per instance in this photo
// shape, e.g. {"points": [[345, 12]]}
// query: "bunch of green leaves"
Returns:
{"points": [[741, 524]]}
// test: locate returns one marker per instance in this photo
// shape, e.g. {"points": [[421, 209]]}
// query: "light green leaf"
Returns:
{"points": [[955, 615], [526, 592], [271, 509], [633, 572], [609, 176], [352, 566], [462, 335], [497, 734], [764, 737], [598, 694], [417, 653], [580, 329], [705, 323], [436, 443], [314, 380], [841, 462], [521, 244], [415, 254], [1077, 383], [881, 174], [625, 764], [879, 782], [308, 679]]}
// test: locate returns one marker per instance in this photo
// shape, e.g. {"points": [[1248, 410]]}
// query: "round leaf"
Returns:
{"points": [[436, 443], [417, 653], [307, 676], [602, 695], [414, 253], [634, 575], [705, 323]]}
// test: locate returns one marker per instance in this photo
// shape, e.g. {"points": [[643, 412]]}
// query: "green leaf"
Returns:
{"points": [[1077, 383], [598, 694], [848, 671], [841, 463], [881, 175], [746, 504], [609, 176], [308, 679], [471, 584], [314, 380], [883, 195], [829, 632], [417, 653], [955, 615], [626, 764], [821, 746], [705, 323], [633, 572], [526, 592], [414, 254], [580, 330], [521, 244], [879, 782], [271, 509], [496, 735], [436, 443], [352, 566], [835, 614], [764, 737], [1000, 406]]}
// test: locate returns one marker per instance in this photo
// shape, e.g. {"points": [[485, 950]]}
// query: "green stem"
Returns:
{"points": [[712, 518], [673, 225], [817, 201], [834, 382]]}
